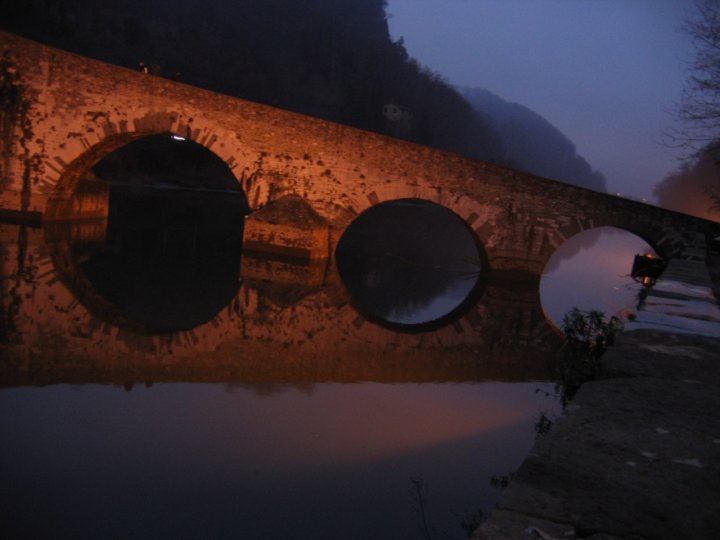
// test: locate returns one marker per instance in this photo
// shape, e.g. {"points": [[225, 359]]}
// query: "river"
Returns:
{"points": [[156, 383]]}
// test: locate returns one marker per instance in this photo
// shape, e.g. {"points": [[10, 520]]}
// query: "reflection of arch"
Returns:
{"points": [[69, 241], [318, 339], [399, 256]]}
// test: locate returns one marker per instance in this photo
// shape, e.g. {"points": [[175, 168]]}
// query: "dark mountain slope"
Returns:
{"points": [[326, 58]]}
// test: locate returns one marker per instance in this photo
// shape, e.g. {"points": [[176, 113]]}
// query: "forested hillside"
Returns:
{"points": [[332, 59]]}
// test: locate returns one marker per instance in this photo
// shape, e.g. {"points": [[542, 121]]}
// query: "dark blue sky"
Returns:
{"points": [[607, 73]]}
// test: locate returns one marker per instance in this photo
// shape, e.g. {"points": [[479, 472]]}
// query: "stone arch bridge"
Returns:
{"points": [[61, 113]]}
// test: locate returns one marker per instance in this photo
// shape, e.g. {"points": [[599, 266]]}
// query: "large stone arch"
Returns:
{"points": [[102, 136], [66, 215]]}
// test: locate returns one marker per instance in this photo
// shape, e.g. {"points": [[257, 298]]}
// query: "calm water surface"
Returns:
{"points": [[221, 461], [156, 383], [110, 431], [305, 459]]}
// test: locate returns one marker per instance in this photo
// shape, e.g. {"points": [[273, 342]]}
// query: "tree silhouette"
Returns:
{"points": [[700, 105], [699, 112]]}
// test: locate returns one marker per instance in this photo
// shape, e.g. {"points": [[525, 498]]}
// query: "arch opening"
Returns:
{"points": [[592, 271], [166, 161], [166, 254], [410, 264]]}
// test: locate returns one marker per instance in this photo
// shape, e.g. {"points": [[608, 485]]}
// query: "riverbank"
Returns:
{"points": [[637, 452]]}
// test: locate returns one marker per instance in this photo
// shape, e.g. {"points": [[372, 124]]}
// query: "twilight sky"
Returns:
{"points": [[607, 73]]}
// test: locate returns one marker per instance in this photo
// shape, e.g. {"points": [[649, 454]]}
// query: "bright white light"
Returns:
{"points": [[178, 137]]}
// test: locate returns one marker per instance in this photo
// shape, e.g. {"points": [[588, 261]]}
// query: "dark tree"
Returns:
{"points": [[694, 187], [700, 105]]}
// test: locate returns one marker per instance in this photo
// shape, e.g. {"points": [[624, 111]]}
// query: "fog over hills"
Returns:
{"points": [[332, 59], [532, 144]]}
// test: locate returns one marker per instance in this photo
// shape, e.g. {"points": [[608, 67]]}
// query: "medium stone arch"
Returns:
{"points": [[465, 207], [469, 252]]}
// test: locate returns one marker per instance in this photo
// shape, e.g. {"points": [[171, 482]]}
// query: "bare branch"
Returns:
{"points": [[699, 109]]}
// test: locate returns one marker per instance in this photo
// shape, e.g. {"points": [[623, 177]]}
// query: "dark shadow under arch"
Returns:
{"points": [[144, 156], [162, 250]]}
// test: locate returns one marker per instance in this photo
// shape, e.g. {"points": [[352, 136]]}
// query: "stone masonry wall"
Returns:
{"points": [[62, 113]]}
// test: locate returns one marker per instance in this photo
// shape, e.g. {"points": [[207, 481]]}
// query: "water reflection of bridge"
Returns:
{"points": [[58, 329]]}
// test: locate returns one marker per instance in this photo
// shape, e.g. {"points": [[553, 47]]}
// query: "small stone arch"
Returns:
{"points": [[661, 239]]}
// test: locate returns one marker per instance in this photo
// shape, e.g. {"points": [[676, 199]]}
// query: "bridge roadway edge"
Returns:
{"points": [[636, 454]]}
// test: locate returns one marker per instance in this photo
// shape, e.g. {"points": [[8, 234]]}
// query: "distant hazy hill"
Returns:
{"points": [[532, 144]]}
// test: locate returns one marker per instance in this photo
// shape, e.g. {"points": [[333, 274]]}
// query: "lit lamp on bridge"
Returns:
{"points": [[647, 268]]}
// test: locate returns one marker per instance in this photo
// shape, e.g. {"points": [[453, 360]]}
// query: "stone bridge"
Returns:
{"points": [[61, 113]]}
